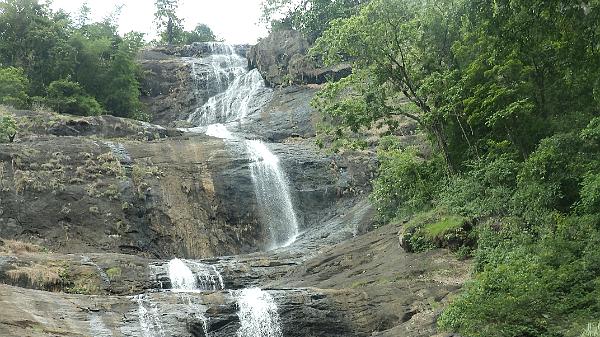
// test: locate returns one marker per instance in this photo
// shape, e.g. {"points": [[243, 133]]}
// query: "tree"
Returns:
{"points": [[13, 87], [36, 40], [400, 54], [311, 17], [123, 74], [202, 33], [167, 22]]}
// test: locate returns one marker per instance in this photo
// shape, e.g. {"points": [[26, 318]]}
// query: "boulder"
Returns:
{"points": [[282, 60]]}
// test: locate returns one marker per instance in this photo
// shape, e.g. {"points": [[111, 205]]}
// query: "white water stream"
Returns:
{"points": [[258, 314], [233, 104], [148, 317], [273, 195], [234, 87]]}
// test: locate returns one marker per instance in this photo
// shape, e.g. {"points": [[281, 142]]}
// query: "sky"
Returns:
{"points": [[236, 21]]}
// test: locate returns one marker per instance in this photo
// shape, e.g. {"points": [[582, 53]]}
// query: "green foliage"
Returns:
{"points": [[202, 33], [546, 287], [167, 22], [13, 87], [405, 182], [592, 330], [437, 229], [8, 127], [49, 47], [113, 273], [507, 94], [311, 17], [68, 97], [485, 190]]}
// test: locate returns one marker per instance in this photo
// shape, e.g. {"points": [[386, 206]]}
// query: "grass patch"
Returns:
{"points": [[444, 226], [437, 229], [113, 273], [19, 247], [46, 277]]}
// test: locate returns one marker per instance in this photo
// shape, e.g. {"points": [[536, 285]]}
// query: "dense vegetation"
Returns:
{"points": [[508, 94], [70, 65]]}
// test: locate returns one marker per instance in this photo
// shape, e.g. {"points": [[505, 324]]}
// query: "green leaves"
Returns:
{"points": [[8, 127], [41, 47], [166, 20], [13, 87], [68, 97]]}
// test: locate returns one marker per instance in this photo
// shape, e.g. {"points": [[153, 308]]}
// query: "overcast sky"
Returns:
{"points": [[234, 20]]}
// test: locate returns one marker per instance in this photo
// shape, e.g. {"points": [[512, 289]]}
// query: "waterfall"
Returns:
{"points": [[182, 278], [219, 131], [208, 276], [204, 277], [97, 327], [149, 320], [231, 87], [242, 92], [272, 194], [258, 314]]}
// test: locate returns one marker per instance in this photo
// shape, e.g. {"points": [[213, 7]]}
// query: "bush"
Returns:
{"points": [[436, 229], [405, 182], [485, 190], [592, 330], [68, 97], [544, 288], [13, 87], [8, 128]]}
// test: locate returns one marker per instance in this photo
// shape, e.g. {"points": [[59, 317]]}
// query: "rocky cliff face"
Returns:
{"points": [[282, 60], [92, 210]]}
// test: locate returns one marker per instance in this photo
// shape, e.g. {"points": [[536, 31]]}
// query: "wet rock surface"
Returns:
{"points": [[110, 201]]}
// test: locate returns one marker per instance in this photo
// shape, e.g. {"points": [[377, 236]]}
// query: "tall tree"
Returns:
{"points": [[399, 50], [167, 22]]}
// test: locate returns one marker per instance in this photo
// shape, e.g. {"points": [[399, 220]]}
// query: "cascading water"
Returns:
{"points": [[182, 278], [185, 281], [219, 131], [258, 314], [232, 87], [234, 104], [273, 194], [204, 277], [208, 276], [97, 327], [148, 316]]}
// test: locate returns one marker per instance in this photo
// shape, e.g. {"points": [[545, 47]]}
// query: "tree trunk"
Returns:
{"points": [[170, 31], [436, 130]]}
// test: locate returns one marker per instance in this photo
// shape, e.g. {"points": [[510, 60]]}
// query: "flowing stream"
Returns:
{"points": [[241, 90], [258, 314], [273, 195]]}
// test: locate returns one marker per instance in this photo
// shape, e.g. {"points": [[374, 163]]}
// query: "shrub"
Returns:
{"points": [[405, 181], [68, 97], [592, 330], [8, 128], [543, 287], [13, 87], [485, 190], [438, 229]]}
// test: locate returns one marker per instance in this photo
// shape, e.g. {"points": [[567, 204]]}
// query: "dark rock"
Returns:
{"points": [[282, 60]]}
